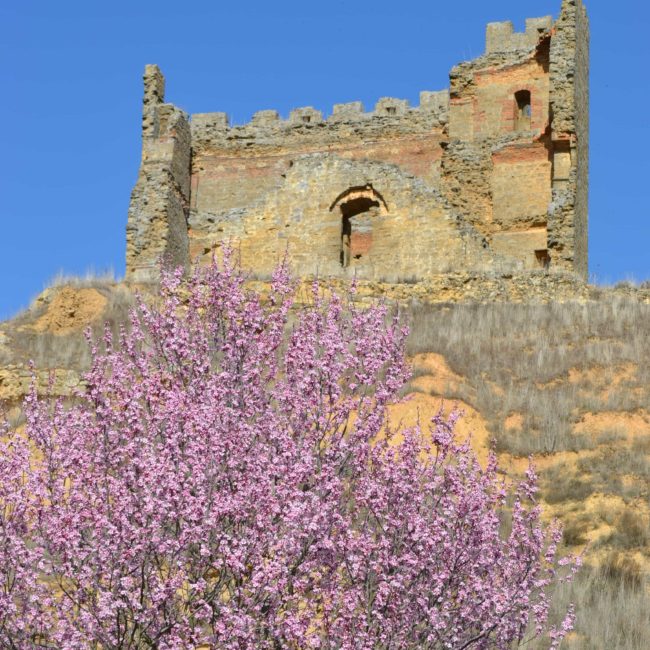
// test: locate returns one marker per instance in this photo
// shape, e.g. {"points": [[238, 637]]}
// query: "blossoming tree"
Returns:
{"points": [[228, 478]]}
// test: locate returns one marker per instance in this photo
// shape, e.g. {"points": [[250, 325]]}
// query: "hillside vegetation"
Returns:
{"points": [[568, 384]]}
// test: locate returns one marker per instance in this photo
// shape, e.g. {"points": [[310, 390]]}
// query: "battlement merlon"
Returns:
{"points": [[501, 37], [154, 85]]}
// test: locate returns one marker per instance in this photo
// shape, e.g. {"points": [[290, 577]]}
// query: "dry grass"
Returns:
{"points": [[560, 484], [519, 358], [70, 350], [533, 371], [632, 531], [610, 466], [612, 607], [91, 279]]}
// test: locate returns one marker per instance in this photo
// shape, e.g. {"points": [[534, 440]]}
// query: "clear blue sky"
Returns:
{"points": [[70, 73]]}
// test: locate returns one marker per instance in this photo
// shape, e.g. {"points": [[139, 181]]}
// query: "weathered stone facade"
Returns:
{"points": [[488, 176]]}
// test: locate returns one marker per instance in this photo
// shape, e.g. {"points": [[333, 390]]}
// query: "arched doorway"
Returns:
{"points": [[359, 207]]}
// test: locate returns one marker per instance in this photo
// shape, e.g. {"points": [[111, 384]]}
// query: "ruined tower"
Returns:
{"points": [[157, 225], [488, 176]]}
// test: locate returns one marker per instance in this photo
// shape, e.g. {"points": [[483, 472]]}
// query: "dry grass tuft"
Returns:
{"points": [[632, 531], [612, 607], [91, 279], [534, 371], [609, 468], [560, 484]]}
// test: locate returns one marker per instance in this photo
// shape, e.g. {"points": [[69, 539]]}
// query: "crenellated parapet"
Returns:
{"points": [[307, 122]]}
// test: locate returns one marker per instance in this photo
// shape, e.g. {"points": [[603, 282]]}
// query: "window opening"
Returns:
{"points": [[542, 258], [391, 110], [306, 119], [523, 110]]}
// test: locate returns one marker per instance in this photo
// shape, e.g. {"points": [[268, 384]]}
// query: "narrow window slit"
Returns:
{"points": [[523, 110]]}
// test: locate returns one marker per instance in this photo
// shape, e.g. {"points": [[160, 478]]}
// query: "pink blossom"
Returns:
{"points": [[228, 477]]}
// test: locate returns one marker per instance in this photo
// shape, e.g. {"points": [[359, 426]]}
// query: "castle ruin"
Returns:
{"points": [[490, 175]]}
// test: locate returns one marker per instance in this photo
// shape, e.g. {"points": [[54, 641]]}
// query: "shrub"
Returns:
{"points": [[228, 477]]}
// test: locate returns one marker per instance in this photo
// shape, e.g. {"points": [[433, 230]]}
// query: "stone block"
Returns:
{"points": [[305, 115], [349, 107], [265, 118], [501, 37], [209, 121], [498, 36], [434, 100], [536, 27], [391, 106], [527, 246], [348, 111]]}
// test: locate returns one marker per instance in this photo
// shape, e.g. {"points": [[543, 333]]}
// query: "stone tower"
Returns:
{"points": [[156, 231], [488, 176]]}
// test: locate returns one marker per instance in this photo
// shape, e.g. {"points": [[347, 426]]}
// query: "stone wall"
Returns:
{"points": [[408, 231], [459, 287], [235, 166], [157, 225], [569, 70], [491, 174]]}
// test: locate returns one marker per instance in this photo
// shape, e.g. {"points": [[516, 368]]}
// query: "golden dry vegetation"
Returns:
{"points": [[569, 385]]}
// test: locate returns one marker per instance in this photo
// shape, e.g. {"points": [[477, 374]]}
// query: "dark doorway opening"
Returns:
{"points": [[356, 228]]}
